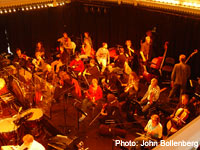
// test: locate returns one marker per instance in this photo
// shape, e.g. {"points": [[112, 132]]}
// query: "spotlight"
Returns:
{"points": [[5, 11], [42, 6], [10, 10], [27, 8], [31, 8], [1, 11], [38, 7], [14, 10], [34, 7], [22, 8]]}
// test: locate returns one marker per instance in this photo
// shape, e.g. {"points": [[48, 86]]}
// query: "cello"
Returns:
{"points": [[178, 120]]}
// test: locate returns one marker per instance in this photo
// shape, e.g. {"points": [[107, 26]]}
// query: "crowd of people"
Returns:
{"points": [[101, 80]]}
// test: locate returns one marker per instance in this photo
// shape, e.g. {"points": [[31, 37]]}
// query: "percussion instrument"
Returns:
{"points": [[8, 129], [32, 123]]}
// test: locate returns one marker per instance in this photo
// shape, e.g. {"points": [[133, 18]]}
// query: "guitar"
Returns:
{"points": [[192, 54]]}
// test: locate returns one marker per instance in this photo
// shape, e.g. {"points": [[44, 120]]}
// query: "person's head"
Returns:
{"points": [[155, 120], [184, 99], [65, 35], [121, 50], [18, 52], [148, 39], [86, 34], [94, 82], [110, 98], [110, 68], [128, 43], [154, 82], [182, 58], [104, 45], [77, 56], [92, 62], [28, 139], [39, 45]]}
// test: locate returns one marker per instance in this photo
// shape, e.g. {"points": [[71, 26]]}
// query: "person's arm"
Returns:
{"points": [[108, 55], [173, 76]]}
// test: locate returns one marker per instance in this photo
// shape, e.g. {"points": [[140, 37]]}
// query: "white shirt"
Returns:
{"points": [[33, 146], [157, 130]]}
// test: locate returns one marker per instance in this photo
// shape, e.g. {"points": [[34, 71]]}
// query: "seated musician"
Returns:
{"points": [[91, 71], [30, 144], [62, 59], [153, 132], [92, 98], [120, 60], [38, 63], [87, 51], [103, 56], [181, 114], [87, 37], [20, 58], [64, 40], [111, 110], [67, 84], [70, 47], [40, 48], [77, 65], [49, 74], [131, 87], [150, 97], [110, 82]]}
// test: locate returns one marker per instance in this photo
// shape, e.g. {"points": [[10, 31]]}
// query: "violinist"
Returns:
{"points": [[93, 97], [20, 58], [38, 62], [40, 48], [77, 65]]}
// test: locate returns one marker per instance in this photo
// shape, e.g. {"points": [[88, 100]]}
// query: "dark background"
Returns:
{"points": [[111, 23]]}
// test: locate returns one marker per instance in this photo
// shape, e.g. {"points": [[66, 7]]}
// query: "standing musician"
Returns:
{"points": [[103, 56], [30, 144], [151, 96], [153, 131], [180, 74], [144, 52], [92, 98], [132, 56]]}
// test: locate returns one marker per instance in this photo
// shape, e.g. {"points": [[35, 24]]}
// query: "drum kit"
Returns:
{"points": [[11, 128]]}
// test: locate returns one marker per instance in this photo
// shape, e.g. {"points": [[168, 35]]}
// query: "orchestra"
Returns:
{"points": [[94, 79]]}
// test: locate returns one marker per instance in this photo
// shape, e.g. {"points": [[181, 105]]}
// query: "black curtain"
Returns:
{"points": [[112, 24]]}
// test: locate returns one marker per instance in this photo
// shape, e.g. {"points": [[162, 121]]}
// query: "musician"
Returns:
{"points": [[111, 110], [92, 98], [182, 113], [132, 56], [121, 59], [180, 74], [91, 71], [153, 131], [88, 38], [77, 65], [40, 48], [38, 62], [87, 50], [151, 96], [30, 144], [145, 48], [103, 56], [131, 87], [20, 58], [64, 40], [110, 82], [48, 74], [70, 47], [67, 84], [62, 59]]}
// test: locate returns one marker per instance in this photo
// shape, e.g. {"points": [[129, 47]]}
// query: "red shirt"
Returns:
{"points": [[96, 94], [79, 65]]}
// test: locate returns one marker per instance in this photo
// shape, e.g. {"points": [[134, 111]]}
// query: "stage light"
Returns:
{"points": [[22, 8], [34, 7], [27, 8], [38, 7], [42, 6], [9, 10], [31, 8], [14, 10], [5, 11], [1, 11]]}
